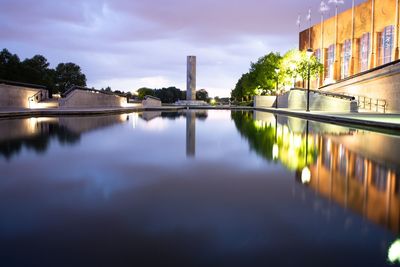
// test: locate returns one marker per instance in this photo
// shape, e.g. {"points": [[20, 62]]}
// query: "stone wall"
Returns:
{"points": [[91, 99], [264, 101], [380, 84], [151, 102], [12, 96], [297, 100]]}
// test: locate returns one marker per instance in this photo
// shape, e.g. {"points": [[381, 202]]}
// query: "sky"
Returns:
{"points": [[128, 44]]}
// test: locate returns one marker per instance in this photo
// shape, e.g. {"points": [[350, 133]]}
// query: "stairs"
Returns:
{"points": [[48, 103]]}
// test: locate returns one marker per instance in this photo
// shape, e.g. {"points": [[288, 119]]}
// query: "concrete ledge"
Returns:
{"points": [[342, 119], [296, 99]]}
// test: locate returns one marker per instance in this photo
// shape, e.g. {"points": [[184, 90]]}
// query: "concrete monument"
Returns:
{"points": [[191, 79]]}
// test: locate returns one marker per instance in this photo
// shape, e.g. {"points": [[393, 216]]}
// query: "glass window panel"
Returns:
{"points": [[364, 52], [346, 57], [330, 62], [386, 45]]}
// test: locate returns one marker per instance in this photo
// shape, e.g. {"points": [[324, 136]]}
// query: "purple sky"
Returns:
{"points": [[127, 44]]}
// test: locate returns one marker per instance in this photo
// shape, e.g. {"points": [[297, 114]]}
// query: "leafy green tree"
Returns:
{"points": [[263, 73], [10, 66], [244, 87], [309, 64], [289, 66], [295, 64], [168, 95], [202, 95], [261, 78], [36, 70], [142, 92], [68, 74]]}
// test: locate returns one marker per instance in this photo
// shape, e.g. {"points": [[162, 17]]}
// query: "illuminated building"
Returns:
{"points": [[357, 40]]}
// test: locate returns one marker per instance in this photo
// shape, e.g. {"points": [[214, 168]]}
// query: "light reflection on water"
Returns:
{"points": [[357, 169], [204, 188]]}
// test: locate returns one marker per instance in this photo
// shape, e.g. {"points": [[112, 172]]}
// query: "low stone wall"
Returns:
{"points": [[12, 96], [383, 83], [264, 101], [92, 99], [151, 103], [297, 100]]}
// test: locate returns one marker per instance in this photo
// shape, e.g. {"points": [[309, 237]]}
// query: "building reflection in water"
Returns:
{"points": [[357, 182], [344, 165]]}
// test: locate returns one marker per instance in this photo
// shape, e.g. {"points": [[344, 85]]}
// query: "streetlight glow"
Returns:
{"points": [[306, 175]]}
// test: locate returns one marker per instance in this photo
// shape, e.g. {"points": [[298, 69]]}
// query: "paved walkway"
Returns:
{"points": [[365, 120]]}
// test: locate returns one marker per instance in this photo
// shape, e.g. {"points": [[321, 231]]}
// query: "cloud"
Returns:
{"points": [[134, 43]]}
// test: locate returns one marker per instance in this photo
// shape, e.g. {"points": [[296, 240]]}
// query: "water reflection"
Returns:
{"points": [[339, 163], [190, 134], [37, 133], [128, 192], [191, 117]]}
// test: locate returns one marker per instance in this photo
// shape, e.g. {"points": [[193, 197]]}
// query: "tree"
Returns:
{"points": [[10, 66], [142, 92], [168, 95], [261, 78], [36, 70], [202, 95], [263, 73], [295, 65], [68, 74], [307, 64]]}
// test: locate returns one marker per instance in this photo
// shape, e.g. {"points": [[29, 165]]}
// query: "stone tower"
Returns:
{"points": [[191, 78]]}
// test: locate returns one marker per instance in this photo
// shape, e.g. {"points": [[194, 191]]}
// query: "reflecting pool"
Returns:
{"points": [[197, 188]]}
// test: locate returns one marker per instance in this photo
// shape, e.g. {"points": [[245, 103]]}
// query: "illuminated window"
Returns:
{"points": [[346, 56], [364, 52], [318, 55], [386, 45], [330, 62]]}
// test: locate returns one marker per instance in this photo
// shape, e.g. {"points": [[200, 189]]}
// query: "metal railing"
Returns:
{"points": [[371, 104], [35, 98]]}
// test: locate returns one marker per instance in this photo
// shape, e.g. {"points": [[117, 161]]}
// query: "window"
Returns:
{"points": [[364, 52], [318, 55], [330, 62], [346, 56], [386, 45]]}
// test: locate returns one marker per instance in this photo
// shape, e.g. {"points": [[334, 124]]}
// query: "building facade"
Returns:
{"points": [[357, 40]]}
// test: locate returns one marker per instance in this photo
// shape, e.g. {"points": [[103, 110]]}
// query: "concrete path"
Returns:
{"points": [[364, 120]]}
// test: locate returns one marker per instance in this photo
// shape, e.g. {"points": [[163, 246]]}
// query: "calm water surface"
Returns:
{"points": [[206, 188]]}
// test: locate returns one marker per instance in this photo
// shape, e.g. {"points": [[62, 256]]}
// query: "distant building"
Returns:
{"points": [[357, 40]]}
